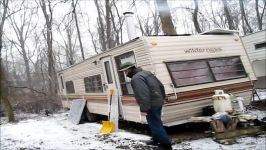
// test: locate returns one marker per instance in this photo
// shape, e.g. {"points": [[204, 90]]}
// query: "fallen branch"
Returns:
{"points": [[27, 88]]}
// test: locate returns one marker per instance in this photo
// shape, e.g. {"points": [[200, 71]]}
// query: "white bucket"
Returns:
{"points": [[221, 102]]}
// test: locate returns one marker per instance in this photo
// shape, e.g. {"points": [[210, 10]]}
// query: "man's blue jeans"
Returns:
{"points": [[156, 126]]}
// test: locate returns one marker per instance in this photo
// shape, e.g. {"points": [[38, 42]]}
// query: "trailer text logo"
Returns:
{"points": [[203, 50]]}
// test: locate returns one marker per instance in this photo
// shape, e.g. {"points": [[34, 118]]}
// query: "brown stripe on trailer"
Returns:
{"points": [[194, 95], [129, 101], [208, 92], [94, 98]]}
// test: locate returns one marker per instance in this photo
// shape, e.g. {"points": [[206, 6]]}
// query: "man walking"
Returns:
{"points": [[150, 94]]}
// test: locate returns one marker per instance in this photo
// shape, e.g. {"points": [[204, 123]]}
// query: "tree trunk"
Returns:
{"points": [[77, 26], [243, 14], [4, 96], [49, 40], [120, 23], [156, 23], [166, 18], [69, 47], [108, 24], [228, 16], [3, 87], [195, 17], [259, 17], [3, 19], [26, 61], [116, 32], [101, 29]]}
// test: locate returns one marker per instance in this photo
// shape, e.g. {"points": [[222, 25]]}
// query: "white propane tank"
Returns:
{"points": [[221, 102], [238, 106]]}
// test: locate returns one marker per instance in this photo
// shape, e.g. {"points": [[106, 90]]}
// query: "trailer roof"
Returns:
{"points": [[219, 31], [214, 31]]}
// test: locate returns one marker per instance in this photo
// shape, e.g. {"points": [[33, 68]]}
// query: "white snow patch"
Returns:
{"points": [[57, 133]]}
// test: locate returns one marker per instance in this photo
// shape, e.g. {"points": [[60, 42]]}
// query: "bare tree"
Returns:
{"points": [[49, 41], [77, 26], [150, 24], [228, 15], [4, 5], [166, 18], [195, 17], [101, 28], [108, 23], [70, 46], [93, 40], [260, 16], [22, 34], [119, 31], [3, 85], [244, 17]]}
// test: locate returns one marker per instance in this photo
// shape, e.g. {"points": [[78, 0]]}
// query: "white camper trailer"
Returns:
{"points": [[190, 67], [255, 44]]}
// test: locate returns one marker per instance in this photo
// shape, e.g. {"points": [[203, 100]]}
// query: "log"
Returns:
{"points": [[240, 132], [217, 126], [233, 124]]}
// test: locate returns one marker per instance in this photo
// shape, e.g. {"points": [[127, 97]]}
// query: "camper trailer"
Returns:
{"points": [[191, 67], [255, 44]]}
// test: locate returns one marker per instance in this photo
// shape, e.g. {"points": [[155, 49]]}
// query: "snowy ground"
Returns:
{"points": [[57, 133]]}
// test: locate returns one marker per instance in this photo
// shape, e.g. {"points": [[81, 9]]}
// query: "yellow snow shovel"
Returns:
{"points": [[108, 126]]}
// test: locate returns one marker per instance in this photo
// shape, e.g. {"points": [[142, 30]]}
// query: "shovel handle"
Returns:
{"points": [[110, 107]]}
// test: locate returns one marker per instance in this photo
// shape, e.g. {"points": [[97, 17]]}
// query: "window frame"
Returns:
{"points": [[212, 74], [95, 84], [261, 47], [123, 80]]}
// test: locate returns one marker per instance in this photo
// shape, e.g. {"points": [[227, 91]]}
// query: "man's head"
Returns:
{"points": [[129, 68]]}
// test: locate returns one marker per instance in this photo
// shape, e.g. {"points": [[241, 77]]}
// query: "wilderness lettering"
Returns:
{"points": [[202, 50]]}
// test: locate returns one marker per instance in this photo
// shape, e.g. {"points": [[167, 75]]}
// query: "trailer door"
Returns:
{"points": [[110, 83], [109, 78]]}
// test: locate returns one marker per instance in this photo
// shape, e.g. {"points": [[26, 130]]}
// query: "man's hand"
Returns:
{"points": [[143, 113]]}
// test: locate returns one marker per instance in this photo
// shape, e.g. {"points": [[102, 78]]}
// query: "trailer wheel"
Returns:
{"points": [[90, 116]]}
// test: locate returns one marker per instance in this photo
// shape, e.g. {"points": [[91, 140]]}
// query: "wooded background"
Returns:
{"points": [[40, 37]]}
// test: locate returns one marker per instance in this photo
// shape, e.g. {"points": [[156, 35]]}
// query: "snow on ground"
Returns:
{"points": [[56, 132]]}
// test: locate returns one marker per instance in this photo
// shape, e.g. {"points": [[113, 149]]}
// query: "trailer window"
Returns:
{"points": [[227, 68], [93, 84], [260, 45], [124, 81], [194, 72], [70, 87]]}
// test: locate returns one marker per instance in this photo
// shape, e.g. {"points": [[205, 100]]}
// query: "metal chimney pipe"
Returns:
{"points": [[131, 31]]}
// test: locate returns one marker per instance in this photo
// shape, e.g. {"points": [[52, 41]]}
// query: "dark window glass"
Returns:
{"points": [[108, 72], [62, 83], [205, 71], [70, 87], [124, 81], [260, 45], [227, 68], [93, 84], [189, 73]]}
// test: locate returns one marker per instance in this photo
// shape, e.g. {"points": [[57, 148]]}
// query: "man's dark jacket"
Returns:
{"points": [[149, 91]]}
